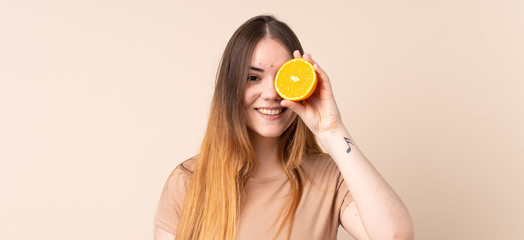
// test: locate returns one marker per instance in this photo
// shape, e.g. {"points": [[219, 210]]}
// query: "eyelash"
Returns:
{"points": [[252, 78]]}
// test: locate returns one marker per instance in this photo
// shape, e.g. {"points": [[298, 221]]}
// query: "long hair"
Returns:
{"points": [[226, 160]]}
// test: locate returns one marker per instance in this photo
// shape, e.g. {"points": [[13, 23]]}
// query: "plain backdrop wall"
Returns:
{"points": [[100, 100]]}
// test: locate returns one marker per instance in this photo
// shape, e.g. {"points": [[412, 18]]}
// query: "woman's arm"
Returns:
{"points": [[376, 206], [381, 211]]}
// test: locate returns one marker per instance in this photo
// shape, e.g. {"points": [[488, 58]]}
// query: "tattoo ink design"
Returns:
{"points": [[348, 142]]}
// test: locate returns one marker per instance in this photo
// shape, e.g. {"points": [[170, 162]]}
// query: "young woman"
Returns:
{"points": [[260, 173]]}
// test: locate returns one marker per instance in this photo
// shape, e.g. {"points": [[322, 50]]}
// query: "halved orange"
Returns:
{"points": [[296, 80]]}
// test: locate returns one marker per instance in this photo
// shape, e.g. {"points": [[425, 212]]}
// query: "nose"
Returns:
{"points": [[269, 92]]}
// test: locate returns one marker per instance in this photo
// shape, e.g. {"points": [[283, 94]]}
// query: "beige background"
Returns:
{"points": [[100, 100]]}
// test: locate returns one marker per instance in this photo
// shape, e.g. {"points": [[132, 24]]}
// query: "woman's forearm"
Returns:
{"points": [[382, 212]]}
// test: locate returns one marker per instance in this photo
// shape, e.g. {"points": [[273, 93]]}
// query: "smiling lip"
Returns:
{"points": [[270, 113]]}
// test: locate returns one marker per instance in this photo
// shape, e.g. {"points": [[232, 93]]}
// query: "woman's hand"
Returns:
{"points": [[319, 111]]}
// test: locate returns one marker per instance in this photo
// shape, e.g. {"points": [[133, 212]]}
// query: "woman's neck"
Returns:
{"points": [[266, 152]]}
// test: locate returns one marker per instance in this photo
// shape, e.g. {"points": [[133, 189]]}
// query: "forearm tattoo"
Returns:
{"points": [[348, 141]]}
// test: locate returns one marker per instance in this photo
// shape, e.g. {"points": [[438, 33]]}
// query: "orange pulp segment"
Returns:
{"points": [[296, 80]]}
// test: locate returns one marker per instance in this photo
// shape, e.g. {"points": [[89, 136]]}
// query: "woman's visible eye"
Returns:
{"points": [[252, 78]]}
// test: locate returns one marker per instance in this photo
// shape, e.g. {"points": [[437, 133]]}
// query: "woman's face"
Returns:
{"points": [[263, 113]]}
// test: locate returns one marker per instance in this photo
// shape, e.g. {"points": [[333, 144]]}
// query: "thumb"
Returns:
{"points": [[295, 107]]}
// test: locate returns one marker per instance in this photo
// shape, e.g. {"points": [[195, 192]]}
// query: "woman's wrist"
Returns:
{"points": [[334, 138], [340, 145], [328, 135]]}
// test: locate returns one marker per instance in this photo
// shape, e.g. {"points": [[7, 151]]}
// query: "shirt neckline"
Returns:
{"points": [[267, 179]]}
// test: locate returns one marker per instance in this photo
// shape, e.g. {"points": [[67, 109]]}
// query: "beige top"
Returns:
{"points": [[318, 215]]}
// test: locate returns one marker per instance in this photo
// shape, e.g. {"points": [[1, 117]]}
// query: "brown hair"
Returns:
{"points": [[227, 159]]}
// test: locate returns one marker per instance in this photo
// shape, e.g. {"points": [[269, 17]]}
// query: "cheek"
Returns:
{"points": [[249, 97], [292, 118]]}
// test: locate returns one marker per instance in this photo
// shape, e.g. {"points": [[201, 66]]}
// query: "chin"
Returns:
{"points": [[267, 133], [272, 135]]}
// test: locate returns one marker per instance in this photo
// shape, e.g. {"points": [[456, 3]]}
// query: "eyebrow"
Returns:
{"points": [[256, 69]]}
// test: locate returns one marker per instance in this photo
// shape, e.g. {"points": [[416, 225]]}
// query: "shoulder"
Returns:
{"points": [[186, 167], [172, 197], [181, 175]]}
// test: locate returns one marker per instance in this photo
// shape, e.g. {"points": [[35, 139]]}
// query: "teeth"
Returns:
{"points": [[269, 111]]}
